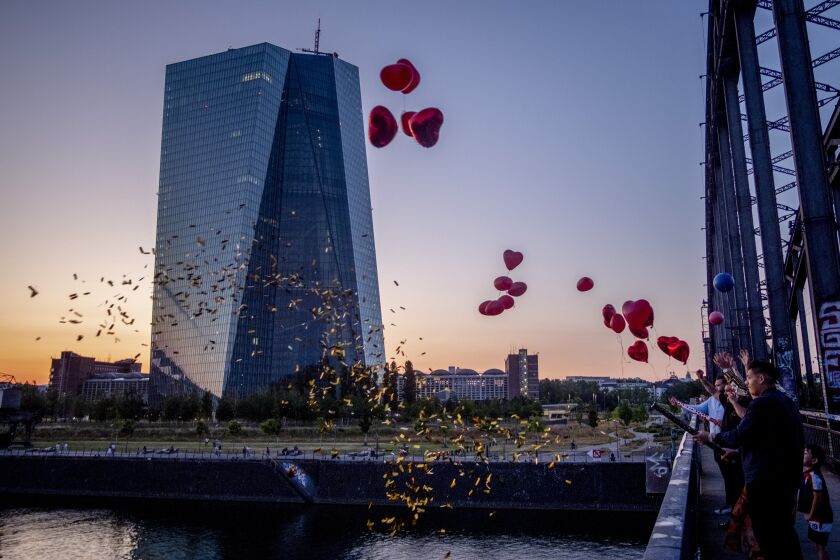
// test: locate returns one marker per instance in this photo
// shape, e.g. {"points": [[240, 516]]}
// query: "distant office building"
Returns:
{"points": [[590, 378], [265, 255], [115, 384], [71, 370], [523, 375], [463, 384], [558, 413]]}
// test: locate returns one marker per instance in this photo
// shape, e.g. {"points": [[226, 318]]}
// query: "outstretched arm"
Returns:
{"points": [[701, 377]]}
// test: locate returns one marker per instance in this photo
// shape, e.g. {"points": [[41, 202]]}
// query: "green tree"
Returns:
{"points": [[104, 409], [624, 413], [592, 418], [390, 383], [683, 391], [234, 428], [640, 413], [271, 427], [225, 411], [126, 427], [201, 429], [172, 407], [129, 406], [33, 401], [207, 405], [535, 424], [410, 383]]}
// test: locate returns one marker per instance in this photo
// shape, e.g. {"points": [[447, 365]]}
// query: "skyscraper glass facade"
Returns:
{"points": [[265, 255]]}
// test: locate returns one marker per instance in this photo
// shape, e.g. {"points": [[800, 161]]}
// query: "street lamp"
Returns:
{"points": [[617, 440]]}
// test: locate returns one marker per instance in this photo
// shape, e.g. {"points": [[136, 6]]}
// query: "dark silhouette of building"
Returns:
{"points": [[114, 383], [71, 370], [523, 374]]}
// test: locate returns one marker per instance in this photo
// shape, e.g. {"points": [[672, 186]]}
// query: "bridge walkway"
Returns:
{"points": [[711, 536]]}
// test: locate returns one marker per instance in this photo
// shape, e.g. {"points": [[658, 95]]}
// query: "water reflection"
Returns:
{"points": [[175, 532]]}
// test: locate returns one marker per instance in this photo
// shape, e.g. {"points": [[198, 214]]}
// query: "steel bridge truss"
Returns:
{"points": [[798, 299]]}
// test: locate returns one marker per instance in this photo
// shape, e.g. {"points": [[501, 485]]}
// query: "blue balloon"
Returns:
{"points": [[724, 282]]}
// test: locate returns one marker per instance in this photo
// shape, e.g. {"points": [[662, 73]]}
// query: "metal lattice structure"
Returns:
{"points": [[786, 301]]}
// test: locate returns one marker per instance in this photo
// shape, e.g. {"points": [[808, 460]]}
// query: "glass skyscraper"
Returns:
{"points": [[265, 257]]}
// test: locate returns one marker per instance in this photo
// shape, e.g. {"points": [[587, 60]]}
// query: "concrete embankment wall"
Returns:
{"points": [[568, 487]]}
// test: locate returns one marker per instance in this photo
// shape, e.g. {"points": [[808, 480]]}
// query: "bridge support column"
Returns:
{"points": [[733, 238], [816, 205], [765, 193]]}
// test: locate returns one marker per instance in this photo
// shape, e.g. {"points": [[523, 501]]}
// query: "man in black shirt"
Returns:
{"points": [[771, 443]]}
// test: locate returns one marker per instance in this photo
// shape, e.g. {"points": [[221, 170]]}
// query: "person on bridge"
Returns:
{"points": [[722, 416], [814, 501], [771, 442]]}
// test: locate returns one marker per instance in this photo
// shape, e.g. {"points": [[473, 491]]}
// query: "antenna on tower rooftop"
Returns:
{"points": [[316, 50]]}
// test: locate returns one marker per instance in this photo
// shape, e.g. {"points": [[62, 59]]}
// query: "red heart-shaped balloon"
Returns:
{"points": [[664, 341], [585, 284], [638, 351], [396, 77], [512, 259], [617, 323], [495, 308], [415, 76], [645, 310], [506, 301], [382, 127], [638, 313], [679, 350], [517, 288], [425, 126], [502, 283], [482, 308], [607, 312], [404, 118], [638, 332]]}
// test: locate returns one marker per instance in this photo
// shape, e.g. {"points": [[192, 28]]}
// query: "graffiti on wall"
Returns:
{"points": [[829, 340], [783, 354]]}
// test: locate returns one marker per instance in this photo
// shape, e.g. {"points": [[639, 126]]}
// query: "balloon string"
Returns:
{"points": [[620, 353]]}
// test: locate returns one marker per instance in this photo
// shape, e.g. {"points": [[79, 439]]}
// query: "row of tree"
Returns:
{"points": [[362, 399]]}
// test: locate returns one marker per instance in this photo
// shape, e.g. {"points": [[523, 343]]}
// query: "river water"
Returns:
{"points": [[219, 532]]}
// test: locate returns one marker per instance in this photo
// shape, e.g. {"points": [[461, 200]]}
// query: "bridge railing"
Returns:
{"points": [[638, 456], [674, 535], [815, 431]]}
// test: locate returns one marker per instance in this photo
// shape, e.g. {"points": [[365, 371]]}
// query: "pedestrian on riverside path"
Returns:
{"points": [[771, 443], [814, 501]]}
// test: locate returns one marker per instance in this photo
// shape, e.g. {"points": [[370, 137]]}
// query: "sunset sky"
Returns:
{"points": [[571, 134]]}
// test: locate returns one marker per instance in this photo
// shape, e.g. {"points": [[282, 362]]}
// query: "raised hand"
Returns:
{"points": [[699, 374], [745, 358], [724, 360], [730, 391]]}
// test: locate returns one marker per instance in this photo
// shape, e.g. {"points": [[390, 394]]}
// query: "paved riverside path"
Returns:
{"points": [[712, 496]]}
